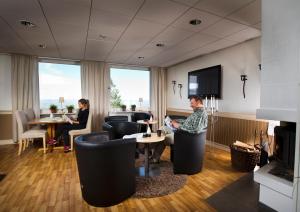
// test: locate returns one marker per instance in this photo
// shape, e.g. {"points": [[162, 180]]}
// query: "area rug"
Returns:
{"points": [[242, 195], [2, 177], [165, 183]]}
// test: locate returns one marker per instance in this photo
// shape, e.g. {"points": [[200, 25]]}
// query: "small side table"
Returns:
{"points": [[146, 170]]}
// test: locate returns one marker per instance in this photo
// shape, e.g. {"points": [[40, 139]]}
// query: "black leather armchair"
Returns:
{"points": [[188, 152], [116, 118], [117, 130], [106, 168], [141, 116]]}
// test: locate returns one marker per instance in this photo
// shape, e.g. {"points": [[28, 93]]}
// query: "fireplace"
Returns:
{"points": [[276, 179]]}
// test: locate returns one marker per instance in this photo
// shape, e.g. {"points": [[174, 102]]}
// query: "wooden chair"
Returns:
{"points": [[86, 130], [25, 135]]}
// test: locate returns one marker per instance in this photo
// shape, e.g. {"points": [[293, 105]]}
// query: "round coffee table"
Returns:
{"points": [[146, 170]]}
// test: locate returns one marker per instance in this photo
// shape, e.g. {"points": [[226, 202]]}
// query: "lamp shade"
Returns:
{"points": [[140, 99], [61, 99]]}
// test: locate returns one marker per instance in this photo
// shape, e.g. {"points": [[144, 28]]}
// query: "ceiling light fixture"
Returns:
{"points": [[27, 24], [160, 45], [43, 46], [102, 37], [141, 58], [195, 22]]}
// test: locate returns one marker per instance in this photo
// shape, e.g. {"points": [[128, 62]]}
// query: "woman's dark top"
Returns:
{"points": [[83, 116]]}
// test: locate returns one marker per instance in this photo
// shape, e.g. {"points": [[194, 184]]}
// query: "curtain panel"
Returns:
{"points": [[95, 87], [25, 86], [158, 94]]}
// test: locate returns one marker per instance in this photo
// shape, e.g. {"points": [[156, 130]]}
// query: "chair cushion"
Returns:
{"points": [[34, 133]]}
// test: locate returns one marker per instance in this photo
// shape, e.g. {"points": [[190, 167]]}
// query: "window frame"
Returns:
{"points": [[44, 111], [130, 67]]}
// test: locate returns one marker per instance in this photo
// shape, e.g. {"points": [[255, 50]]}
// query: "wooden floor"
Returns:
{"points": [[38, 182]]}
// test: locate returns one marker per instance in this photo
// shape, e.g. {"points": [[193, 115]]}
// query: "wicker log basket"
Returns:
{"points": [[244, 157]]}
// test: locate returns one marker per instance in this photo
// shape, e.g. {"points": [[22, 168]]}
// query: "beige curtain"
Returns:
{"points": [[158, 94], [94, 86], [25, 86]]}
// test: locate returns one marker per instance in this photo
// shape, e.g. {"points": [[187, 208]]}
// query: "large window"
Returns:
{"points": [[130, 87], [59, 80]]}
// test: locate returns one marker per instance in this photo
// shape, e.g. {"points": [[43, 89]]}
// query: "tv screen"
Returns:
{"points": [[205, 82]]}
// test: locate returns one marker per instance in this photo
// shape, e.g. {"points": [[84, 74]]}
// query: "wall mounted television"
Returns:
{"points": [[205, 82]]}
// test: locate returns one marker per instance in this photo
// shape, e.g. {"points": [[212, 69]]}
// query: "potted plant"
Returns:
{"points": [[133, 107], [70, 108], [123, 107], [53, 108]]}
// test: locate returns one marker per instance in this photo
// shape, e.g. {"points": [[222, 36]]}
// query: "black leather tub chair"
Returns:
{"points": [[188, 152], [106, 168]]}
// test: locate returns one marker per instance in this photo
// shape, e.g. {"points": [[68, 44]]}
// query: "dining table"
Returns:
{"points": [[51, 124]]}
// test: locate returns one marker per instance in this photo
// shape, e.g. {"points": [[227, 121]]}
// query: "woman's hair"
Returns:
{"points": [[85, 102]]}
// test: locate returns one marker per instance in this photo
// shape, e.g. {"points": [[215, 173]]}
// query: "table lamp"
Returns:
{"points": [[61, 101], [140, 101]]}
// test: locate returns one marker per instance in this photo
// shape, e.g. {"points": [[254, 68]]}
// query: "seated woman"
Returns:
{"points": [[79, 123]]}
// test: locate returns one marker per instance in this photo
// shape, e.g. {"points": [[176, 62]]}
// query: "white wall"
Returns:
{"points": [[5, 83], [240, 59]]}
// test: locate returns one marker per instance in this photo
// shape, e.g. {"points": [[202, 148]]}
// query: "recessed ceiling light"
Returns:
{"points": [[43, 46], [195, 22], [102, 37], [141, 57], [27, 23], [160, 45]]}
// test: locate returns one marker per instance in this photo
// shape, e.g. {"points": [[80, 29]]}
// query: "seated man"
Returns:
{"points": [[195, 123]]}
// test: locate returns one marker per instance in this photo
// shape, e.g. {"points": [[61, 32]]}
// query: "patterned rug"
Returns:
{"points": [[163, 184]]}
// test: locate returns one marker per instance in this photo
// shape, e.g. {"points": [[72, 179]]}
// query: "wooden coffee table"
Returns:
{"points": [[146, 170]]}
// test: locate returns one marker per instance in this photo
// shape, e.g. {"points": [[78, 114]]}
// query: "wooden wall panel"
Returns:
{"points": [[5, 126], [229, 129]]}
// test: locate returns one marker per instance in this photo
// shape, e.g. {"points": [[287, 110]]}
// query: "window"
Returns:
{"points": [[59, 80], [130, 87]]}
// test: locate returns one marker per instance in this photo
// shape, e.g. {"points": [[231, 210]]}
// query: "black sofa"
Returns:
{"points": [[106, 168], [188, 151], [117, 130]]}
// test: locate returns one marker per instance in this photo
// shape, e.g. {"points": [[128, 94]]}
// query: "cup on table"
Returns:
{"points": [[158, 133]]}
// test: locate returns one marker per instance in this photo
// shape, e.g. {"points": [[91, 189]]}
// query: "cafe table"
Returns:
{"points": [[147, 170], [51, 124]]}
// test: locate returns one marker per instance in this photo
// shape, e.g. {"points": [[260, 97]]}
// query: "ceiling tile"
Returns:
{"points": [[97, 50], [220, 44], [221, 8], [172, 36], [10, 42], [248, 15], [68, 12], [224, 28], [123, 7], [187, 2], [13, 11], [206, 18], [138, 34], [108, 24], [244, 35], [161, 11]]}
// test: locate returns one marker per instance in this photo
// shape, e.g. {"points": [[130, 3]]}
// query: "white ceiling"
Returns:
{"points": [[121, 31]]}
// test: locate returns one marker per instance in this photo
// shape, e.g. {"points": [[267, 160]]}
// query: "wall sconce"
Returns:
{"points": [[174, 83], [259, 66], [180, 87], [244, 78]]}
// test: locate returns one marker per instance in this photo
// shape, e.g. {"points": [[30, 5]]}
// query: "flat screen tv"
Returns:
{"points": [[205, 82]]}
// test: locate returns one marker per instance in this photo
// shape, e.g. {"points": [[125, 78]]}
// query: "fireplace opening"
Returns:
{"points": [[284, 151]]}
